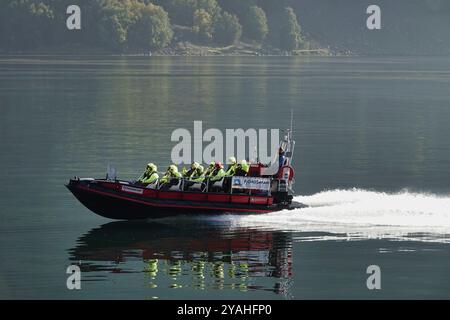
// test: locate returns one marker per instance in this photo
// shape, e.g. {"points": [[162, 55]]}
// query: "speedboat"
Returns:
{"points": [[258, 192]]}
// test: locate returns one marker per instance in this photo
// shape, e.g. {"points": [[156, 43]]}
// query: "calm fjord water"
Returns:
{"points": [[372, 161]]}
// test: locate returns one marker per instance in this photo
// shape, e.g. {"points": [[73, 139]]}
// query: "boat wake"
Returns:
{"points": [[357, 213]]}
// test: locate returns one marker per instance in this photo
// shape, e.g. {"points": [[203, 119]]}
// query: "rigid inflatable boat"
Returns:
{"points": [[258, 192]]}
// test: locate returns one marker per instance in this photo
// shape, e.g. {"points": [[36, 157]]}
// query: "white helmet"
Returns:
{"points": [[195, 165], [232, 160]]}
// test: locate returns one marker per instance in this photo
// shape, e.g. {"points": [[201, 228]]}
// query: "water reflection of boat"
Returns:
{"points": [[209, 257]]}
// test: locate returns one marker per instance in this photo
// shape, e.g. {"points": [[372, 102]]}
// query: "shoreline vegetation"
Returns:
{"points": [[157, 28], [180, 49]]}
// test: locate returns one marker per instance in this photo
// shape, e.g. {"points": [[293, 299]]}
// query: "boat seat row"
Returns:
{"points": [[183, 184]]}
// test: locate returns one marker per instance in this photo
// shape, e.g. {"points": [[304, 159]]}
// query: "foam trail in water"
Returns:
{"points": [[376, 208], [361, 212]]}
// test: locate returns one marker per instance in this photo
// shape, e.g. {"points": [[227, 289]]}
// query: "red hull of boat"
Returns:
{"points": [[118, 200]]}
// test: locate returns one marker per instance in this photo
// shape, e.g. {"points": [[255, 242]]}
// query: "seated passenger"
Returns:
{"points": [[197, 176], [231, 170], [171, 173], [190, 173], [218, 172], [210, 169], [242, 169], [232, 167], [150, 175], [216, 176]]}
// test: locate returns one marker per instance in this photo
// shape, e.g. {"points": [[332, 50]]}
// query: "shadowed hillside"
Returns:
{"points": [[408, 26], [417, 27]]}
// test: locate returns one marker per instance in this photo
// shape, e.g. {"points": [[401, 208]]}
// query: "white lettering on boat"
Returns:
{"points": [[132, 190], [251, 183]]}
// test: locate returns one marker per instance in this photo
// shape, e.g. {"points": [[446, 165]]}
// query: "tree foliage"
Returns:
{"points": [[290, 32], [255, 24], [203, 25], [182, 12], [25, 23], [143, 25], [115, 20], [151, 30], [227, 29]]}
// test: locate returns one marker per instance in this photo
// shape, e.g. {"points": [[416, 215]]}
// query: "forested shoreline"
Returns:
{"points": [[222, 27], [153, 26]]}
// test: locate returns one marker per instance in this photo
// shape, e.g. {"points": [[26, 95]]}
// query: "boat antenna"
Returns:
{"points": [[292, 119], [291, 141]]}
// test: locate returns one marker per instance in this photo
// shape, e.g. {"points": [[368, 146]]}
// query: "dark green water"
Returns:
{"points": [[372, 161]]}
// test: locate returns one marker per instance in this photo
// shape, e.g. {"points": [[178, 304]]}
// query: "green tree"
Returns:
{"points": [[182, 12], [203, 25], [290, 32], [227, 29], [26, 24], [115, 20], [210, 6], [255, 24], [152, 29]]}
